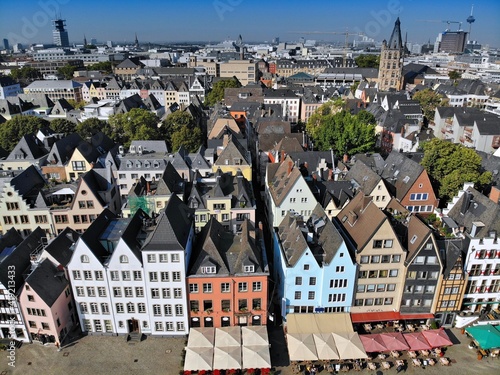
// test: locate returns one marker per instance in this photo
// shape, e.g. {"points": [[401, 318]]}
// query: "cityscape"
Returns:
{"points": [[228, 196]]}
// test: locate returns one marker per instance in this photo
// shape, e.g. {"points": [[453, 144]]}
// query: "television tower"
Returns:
{"points": [[470, 21]]}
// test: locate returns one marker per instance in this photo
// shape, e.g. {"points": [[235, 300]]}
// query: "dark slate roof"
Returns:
{"points": [[473, 207], [47, 282], [172, 229], [30, 147], [488, 125], [472, 86], [338, 191], [313, 159], [364, 177], [62, 150], [170, 182], [375, 161], [396, 42], [268, 142], [20, 258], [91, 236], [233, 150], [28, 183], [401, 172], [62, 247], [491, 163], [450, 250], [96, 184]]}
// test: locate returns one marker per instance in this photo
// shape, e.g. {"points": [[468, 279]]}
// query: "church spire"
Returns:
{"points": [[84, 40], [396, 42]]}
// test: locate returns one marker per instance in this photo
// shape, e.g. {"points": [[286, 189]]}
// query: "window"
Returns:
{"points": [[164, 276], [312, 281], [179, 311], [87, 275], [419, 260], [128, 291], [151, 258], [396, 258], [242, 287], [375, 259], [224, 288], [207, 287], [388, 243], [393, 273], [391, 287], [101, 291], [163, 258], [155, 293], [256, 286], [158, 326], [422, 275], [78, 165], [298, 280], [380, 287], [193, 288], [90, 291], [310, 295], [175, 258], [176, 276], [119, 308], [388, 301], [83, 308], [77, 275], [364, 259], [117, 292], [386, 258], [306, 267], [339, 269], [123, 259], [84, 259], [370, 288], [180, 326], [80, 291], [377, 244], [177, 293], [298, 295], [153, 276]]}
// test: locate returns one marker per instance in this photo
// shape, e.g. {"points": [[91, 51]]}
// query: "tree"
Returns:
{"points": [[75, 104], [367, 61], [103, 66], [173, 123], [137, 124], [66, 71], [190, 139], [26, 72], [315, 120], [450, 165], [454, 75], [345, 133], [217, 93], [62, 125], [91, 126], [429, 100], [18, 126]]}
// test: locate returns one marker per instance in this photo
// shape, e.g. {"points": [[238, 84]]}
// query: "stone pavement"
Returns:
{"points": [[112, 355]]}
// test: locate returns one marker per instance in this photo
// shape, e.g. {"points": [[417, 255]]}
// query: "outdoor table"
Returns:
{"points": [[386, 365], [412, 354], [395, 354], [382, 356], [416, 362], [425, 353]]}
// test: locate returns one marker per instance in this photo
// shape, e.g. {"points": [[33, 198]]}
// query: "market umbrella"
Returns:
{"points": [[301, 347], [394, 341], [198, 359], [254, 335], [228, 336], [416, 341], [373, 343], [487, 336], [201, 337], [325, 346], [256, 356], [227, 358], [437, 337], [349, 345]]}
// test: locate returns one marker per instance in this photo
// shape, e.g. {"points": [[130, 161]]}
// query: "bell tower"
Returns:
{"points": [[390, 73]]}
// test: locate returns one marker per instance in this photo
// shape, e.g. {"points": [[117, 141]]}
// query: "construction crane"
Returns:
{"points": [[447, 22], [346, 33]]}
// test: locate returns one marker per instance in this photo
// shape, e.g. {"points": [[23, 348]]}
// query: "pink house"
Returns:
{"points": [[47, 304]]}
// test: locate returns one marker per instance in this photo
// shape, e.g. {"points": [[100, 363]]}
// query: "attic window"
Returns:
{"points": [[210, 269], [413, 239], [156, 164], [84, 259], [406, 179], [249, 268]]}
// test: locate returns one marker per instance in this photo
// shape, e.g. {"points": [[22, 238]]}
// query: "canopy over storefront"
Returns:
{"points": [[228, 336], [227, 358], [198, 358], [301, 347], [254, 335], [487, 336], [319, 323], [437, 337], [416, 341]]}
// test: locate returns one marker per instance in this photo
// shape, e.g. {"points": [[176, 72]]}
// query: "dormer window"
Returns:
{"points": [[123, 259], [209, 269], [84, 259], [249, 269]]}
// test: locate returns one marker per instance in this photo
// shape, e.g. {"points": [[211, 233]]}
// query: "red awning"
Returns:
{"points": [[374, 317], [415, 316], [386, 316]]}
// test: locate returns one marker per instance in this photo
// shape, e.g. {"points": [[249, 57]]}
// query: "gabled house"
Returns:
{"points": [[334, 196], [380, 256], [15, 257], [286, 190], [30, 150], [313, 268], [228, 278], [234, 158], [364, 179], [409, 183], [55, 166]]}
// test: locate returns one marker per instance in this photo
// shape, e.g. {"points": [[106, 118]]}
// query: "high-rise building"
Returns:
{"points": [[391, 61], [6, 44], [60, 34], [453, 41]]}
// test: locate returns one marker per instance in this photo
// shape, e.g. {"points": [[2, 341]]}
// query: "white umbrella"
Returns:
{"points": [[201, 337], [301, 347], [325, 346], [349, 345], [228, 336], [254, 335], [227, 358], [198, 359], [256, 356]]}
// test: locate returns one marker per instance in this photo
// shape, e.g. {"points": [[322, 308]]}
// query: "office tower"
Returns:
{"points": [[60, 33]]}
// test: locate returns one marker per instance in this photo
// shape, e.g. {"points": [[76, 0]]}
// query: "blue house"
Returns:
{"points": [[313, 269]]}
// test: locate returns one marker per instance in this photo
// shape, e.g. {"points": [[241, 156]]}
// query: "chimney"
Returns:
{"points": [[282, 155], [346, 158], [147, 187], [290, 166], [495, 194], [330, 174], [365, 201], [352, 217], [466, 202]]}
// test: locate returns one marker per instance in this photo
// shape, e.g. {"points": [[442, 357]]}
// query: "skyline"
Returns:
{"points": [[30, 21]]}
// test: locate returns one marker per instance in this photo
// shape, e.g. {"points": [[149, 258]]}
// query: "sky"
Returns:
{"points": [[29, 21]]}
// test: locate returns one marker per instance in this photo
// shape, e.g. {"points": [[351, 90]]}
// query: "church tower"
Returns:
{"points": [[390, 73]]}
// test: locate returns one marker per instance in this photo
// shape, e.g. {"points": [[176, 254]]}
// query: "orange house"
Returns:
{"points": [[227, 278]]}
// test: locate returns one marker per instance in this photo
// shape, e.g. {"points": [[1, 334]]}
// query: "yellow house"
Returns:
{"points": [[219, 125], [234, 158], [81, 161]]}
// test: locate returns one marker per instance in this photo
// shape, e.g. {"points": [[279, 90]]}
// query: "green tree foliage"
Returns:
{"points": [[189, 138], [454, 75], [450, 165], [345, 133], [66, 71], [91, 126], [179, 128], [75, 104], [26, 72], [315, 120], [368, 61], [137, 124], [62, 125], [103, 66], [217, 93], [429, 100], [18, 126]]}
